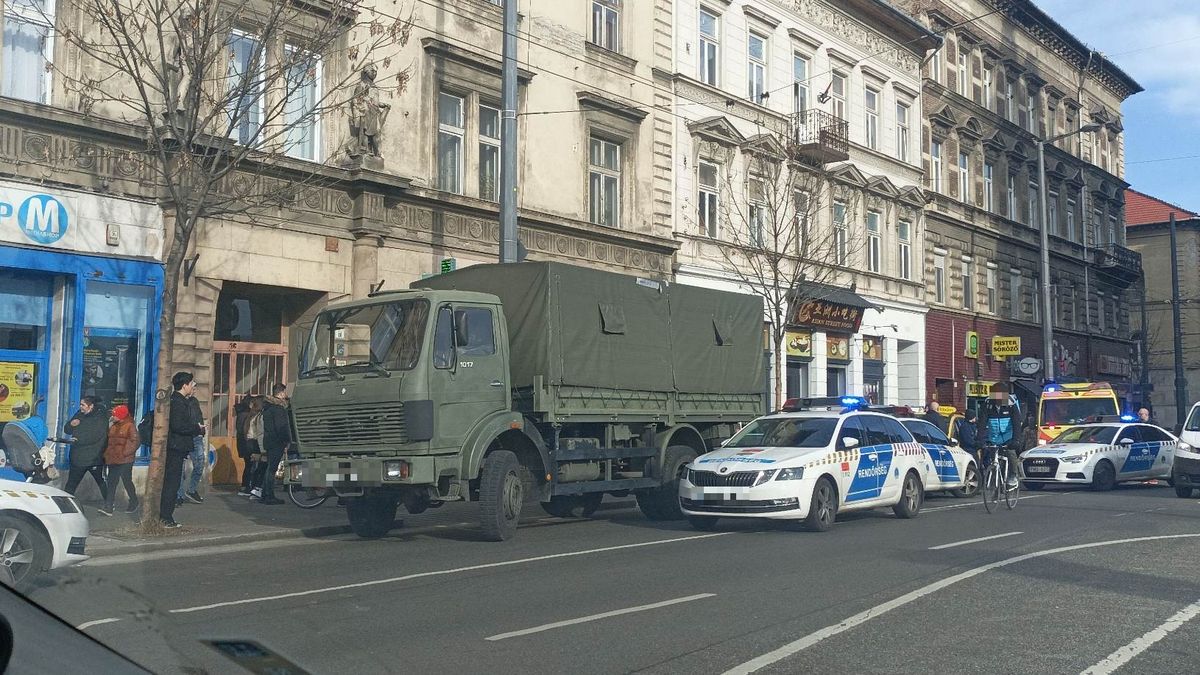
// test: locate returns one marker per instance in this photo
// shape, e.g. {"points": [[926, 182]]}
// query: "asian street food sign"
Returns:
{"points": [[829, 315]]}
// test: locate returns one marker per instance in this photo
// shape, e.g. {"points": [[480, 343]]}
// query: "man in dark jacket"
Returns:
{"points": [[934, 417], [89, 428], [277, 437], [181, 430], [1000, 427], [965, 432]]}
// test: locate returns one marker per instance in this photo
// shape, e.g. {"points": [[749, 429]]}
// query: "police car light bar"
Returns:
{"points": [[1128, 418], [854, 401]]}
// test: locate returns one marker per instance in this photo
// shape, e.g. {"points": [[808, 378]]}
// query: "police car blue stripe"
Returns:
{"points": [[870, 474], [1141, 457]]}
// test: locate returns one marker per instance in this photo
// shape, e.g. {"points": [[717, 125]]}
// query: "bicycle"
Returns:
{"points": [[995, 481], [304, 497]]}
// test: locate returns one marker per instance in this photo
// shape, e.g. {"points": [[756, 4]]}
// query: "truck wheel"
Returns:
{"points": [[24, 552], [662, 502], [372, 515], [501, 493]]}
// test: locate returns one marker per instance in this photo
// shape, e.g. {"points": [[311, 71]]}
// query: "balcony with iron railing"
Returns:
{"points": [[818, 137], [1123, 265]]}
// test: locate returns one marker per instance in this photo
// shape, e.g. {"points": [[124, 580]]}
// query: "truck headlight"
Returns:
{"points": [[795, 473], [396, 470]]}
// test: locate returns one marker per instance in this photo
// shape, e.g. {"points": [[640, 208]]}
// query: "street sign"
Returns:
{"points": [[972, 348], [1027, 366], [1005, 346]]}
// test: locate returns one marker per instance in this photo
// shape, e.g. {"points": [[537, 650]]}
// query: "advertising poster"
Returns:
{"points": [[110, 369], [16, 390], [798, 343]]}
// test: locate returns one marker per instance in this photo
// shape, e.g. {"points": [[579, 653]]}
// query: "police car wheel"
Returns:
{"points": [[24, 552], [971, 481], [911, 496], [705, 523], [1032, 487], [822, 508], [1104, 477]]}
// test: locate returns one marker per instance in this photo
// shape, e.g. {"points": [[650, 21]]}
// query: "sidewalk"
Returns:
{"points": [[225, 518]]}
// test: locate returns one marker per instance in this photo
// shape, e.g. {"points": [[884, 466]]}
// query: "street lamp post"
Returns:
{"points": [[1047, 317]]}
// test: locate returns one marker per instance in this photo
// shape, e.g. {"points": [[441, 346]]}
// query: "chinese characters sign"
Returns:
{"points": [[831, 315]]}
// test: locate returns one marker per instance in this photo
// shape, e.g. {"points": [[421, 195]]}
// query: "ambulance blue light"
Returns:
{"points": [[1051, 388]]}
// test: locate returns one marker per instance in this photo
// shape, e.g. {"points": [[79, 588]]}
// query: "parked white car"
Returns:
{"points": [[41, 528], [1101, 455]]}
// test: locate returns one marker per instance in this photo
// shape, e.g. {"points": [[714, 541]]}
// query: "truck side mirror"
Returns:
{"points": [[461, 334]]}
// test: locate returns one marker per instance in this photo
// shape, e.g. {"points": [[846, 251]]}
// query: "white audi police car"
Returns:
{"points": [[41, 528], [954, 469], [1101, 455], [808, 466]]}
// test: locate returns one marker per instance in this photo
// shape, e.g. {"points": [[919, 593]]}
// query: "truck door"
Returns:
{"points": [[469, 379]]}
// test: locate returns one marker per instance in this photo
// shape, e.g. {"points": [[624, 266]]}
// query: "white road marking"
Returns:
{"points": [[200, 551], [438, 573], [973, 541], [97, 622], [1126, 654], [980, 504], [596, 617], [812, 639]]}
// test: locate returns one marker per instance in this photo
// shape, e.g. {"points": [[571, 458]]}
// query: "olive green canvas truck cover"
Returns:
{"points": [[575, 327]]}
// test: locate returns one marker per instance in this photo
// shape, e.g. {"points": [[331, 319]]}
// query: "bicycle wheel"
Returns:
{"points": [[991, 488], [307, 498], [1011, 495]]}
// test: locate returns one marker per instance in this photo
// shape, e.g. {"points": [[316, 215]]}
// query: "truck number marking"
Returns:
{"points": [[466, 364]]}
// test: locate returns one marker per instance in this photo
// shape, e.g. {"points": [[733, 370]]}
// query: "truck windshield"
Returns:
{"points": [[1075, 410], [386, 335], [792, 432], [1103, 435]]}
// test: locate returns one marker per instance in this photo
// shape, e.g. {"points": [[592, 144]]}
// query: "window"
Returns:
{"points": [[1037, 300], [1101, 311], [1009, 101], [800, 77], [604, 181], [451, 129], [989, 93], [1112, 230], [990, 282], [1031, 113], [244, 79], [1012, 197], [968, 282], [835, 383], [1071, 219], [964, 177], [904, 235], [1071, 318], [902, 132], [710, 47], [1098, 219], [708, 200], [1052, 212], [481, 340], [606, 24], [489, 153], [28, 49], [837, 91], [801, 203], [939, 279], [935, 67], [1032, 210], [1016, 300], [756, 56], [443, 339], [871, 108], [759, 213], [964, 77], [989, 189], [874, 243], [935, 165], [840, 234], [1023, 111], [303, 90]]}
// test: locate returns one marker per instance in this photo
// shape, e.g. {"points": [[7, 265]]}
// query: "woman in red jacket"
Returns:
{"points": [[123, 443]]}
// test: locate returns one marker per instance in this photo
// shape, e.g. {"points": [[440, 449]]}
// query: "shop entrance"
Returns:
{"points": [[25, 312]]}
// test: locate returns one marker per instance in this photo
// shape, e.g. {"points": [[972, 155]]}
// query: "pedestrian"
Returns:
{"points": [[999, 426], [277, 438], [934, 417], [89, 429], [965, 432], [182, 430], [123, 443], [1144, 416], [1030, 439], [196, 456], [249, 413]]}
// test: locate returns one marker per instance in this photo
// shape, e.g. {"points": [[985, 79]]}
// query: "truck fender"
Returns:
{"points": [[680, 434], [511, 429]]}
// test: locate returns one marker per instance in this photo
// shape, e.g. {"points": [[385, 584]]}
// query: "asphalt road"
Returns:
{"points": [[1067, 582]]}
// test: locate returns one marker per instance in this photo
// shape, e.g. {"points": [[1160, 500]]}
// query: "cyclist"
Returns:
{"points": [[1000, 428]]}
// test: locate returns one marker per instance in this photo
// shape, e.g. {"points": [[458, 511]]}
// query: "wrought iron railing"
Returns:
{"points": [[819, 133]]}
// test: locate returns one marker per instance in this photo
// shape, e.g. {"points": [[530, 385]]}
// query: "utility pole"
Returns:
{"points": [[1181, 393], [1047, 319], [508, 138], [1144, 376]]}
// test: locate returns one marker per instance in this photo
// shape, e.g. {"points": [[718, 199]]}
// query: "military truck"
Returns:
{"points": [[502, 384]]}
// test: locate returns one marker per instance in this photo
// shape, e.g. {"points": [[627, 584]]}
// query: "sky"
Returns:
{"points": [[1157, 42]]}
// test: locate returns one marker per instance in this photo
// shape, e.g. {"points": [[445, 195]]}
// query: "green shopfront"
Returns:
{"points": [[80, 287]]}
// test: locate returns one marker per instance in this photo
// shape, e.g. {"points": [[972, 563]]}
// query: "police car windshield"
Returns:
{"points": [[793, 432], [1103, 435], [1076, 410]]}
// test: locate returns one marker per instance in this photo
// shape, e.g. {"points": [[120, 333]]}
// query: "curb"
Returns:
{"points": [[112, 546]]}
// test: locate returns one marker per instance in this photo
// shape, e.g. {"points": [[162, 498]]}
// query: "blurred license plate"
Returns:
{"points": [[1037, 469]]}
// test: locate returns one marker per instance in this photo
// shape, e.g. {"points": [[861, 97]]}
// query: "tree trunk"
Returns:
{"points": [[780, 357]]}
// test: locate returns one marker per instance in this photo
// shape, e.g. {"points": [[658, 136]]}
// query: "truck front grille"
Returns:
{"points": [[363, 424]]}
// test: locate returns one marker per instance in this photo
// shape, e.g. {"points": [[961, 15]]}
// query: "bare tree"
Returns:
{"points": [[230, 96], [782, 228]]}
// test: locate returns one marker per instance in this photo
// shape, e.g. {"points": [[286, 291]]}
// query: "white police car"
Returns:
{"points": [[41, 528], [952, 468], [808, 466], [1101, 455]]}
